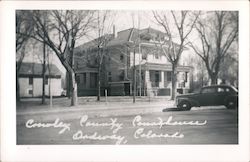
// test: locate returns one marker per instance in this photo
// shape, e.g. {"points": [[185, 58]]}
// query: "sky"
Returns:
{"points": [[122, 20]]}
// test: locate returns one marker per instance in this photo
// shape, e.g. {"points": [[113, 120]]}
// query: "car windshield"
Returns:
{"points": [[208, 90]]}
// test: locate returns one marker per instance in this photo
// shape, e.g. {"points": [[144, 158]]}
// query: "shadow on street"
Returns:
{"points": [[171, 109]]}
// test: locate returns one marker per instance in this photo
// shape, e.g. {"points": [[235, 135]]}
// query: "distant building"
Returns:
{"points": [[31, 80], [153, 71]]}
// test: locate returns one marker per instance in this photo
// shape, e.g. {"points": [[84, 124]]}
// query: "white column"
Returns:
{"points": [[147, 79], [148, 83], [161, 84]]}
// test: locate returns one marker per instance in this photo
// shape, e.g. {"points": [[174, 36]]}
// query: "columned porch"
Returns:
{"points": [[156, 79]]}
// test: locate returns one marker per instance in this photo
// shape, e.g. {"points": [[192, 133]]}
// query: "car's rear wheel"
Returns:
{"points": [[184, 105], [231, 104]]}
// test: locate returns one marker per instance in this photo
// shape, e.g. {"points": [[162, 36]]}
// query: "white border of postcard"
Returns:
{"points": [[11, 152]]}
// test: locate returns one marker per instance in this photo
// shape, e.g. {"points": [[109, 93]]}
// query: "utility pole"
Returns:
{"points": [[44, 66], [44, 70], [49, 80], [140, 56], [134, 76]]}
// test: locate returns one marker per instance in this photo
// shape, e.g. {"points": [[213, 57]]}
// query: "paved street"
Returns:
{"points": [[128, 124]]}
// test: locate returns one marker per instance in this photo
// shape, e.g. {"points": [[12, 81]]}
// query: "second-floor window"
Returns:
{"points": [[109, 77], [30, 81], [156, 55], [121, 57]]}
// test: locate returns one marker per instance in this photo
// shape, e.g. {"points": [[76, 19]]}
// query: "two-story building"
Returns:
{"points": [[121, 53]]}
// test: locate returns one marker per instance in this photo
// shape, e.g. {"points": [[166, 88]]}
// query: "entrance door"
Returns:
{"points": [[157, 78], [127, 89]]}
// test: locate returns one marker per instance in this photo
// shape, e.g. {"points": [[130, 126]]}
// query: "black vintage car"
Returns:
{"points": [[209, 96]]}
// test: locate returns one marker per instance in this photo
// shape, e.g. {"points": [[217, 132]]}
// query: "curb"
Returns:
{"points": [[93, 108]]}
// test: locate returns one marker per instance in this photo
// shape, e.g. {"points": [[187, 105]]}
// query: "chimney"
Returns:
{"points": [[114, 32]]}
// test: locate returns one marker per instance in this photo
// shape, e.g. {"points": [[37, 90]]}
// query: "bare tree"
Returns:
{"points": [[199, 73], [229, 68], [183, 24], [217, 31], [23, 25], [63, 28], [104, 21]]}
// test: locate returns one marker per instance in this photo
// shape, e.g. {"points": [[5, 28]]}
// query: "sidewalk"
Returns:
{"points": [[62, 105]]}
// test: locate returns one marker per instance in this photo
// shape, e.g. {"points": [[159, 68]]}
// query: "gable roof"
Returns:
{"points": [[36, 69], [124, 36], [93, 43]]}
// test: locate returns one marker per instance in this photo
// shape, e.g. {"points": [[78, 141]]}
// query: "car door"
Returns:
{"points": [[220, 95], [207, 96]]}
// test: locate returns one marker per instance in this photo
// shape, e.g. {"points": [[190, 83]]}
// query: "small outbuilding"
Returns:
{"points": [[31, 80]]}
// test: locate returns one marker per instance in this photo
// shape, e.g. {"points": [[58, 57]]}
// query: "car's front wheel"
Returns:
{"points": [[231, 104], [184, 105]]}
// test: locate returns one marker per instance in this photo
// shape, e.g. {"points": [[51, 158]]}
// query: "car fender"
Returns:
{"points": [[231, 97]]}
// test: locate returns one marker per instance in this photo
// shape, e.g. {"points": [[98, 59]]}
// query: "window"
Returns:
{"points": [[30, 91], [109, 77], [156, 55], [121, 57], [121, 75], [93, 80], [228, 90], [186, 76], [169, 76], [84, 79], [209, 90], [78, 79], [157, 78], [30, 81], [144, 56], [220, 90]]}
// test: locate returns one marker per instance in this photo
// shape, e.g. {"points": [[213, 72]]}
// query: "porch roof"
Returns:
{"points": [[163, 67]]}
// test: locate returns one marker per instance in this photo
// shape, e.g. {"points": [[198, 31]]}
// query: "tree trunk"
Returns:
{"points": [[213, 79], [99, 83], [74, 101], [173, 81], [68, 84], [17, 87]]}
